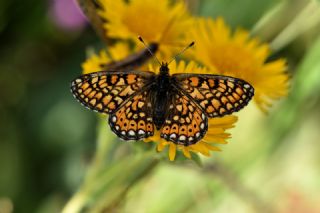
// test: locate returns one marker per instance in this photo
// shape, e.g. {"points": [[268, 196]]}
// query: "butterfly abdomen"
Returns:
{"points": [[161, 92]]}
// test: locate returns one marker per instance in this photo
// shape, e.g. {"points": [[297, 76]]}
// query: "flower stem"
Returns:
{"points": [[231, 180], [110, 177], [308, 18]]}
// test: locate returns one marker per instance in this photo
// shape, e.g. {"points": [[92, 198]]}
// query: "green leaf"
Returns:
{"points": [[305, 86], [243, 13]]}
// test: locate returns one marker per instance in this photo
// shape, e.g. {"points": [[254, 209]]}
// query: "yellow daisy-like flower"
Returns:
{"points": [[238, 55], [96, 62], [162, 22], [216, 126]]}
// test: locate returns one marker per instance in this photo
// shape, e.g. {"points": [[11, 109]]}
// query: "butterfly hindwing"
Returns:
{"points": [[217, 95], [106, 91], [185, 124], [133, 120]]}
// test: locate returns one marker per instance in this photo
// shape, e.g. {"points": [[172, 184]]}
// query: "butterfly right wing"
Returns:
{"points": [[216, 95], [185, 122], [106, 91]]}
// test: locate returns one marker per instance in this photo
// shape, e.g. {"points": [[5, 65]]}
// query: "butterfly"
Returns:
{"points": [[178, 105]]}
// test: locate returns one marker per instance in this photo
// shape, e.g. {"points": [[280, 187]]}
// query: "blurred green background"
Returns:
{"points": [[48, 141]]}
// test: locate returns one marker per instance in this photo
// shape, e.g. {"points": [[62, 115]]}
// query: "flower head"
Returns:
{"points": [[216, 126], [238, 55], [161, 22]]}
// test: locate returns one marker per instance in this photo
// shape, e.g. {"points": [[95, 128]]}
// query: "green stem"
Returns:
{"points": [[232, 181], [304, 21], [286, 21], [108, 179]]}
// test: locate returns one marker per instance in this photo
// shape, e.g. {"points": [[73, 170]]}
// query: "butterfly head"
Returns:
{"points": [[164, 66], [164, 69]]}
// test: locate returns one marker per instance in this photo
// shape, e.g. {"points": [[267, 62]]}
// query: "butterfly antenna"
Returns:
{"points": [[181, 52], [148, 48]]}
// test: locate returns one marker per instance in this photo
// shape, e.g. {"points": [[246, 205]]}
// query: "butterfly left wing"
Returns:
{"points": [[216, 95], [133, 120], [106, 91], [185, 123]]}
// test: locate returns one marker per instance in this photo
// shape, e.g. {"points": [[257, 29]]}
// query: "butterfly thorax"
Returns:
{"points": [[161, 95]]}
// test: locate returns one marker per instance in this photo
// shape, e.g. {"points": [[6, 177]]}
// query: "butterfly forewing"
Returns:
{"points": [[185, 123], [106, 91], [216, 95], [133, 120]]}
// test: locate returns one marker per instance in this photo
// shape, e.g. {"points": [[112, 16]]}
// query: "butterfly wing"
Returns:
{"points": [[106, 91], [133, 60], [133, 120], [91, 9], [217, 95], [185, 123]]}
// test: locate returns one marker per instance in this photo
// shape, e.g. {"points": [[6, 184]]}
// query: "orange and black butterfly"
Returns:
{"points": [[179, 105]]}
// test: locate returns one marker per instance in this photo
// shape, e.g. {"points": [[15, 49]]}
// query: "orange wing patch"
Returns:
{"points": [[106, 91], [216, 95], [133, 120], [185, 124]]}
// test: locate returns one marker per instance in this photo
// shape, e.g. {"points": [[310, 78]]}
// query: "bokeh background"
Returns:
{"points": [[50, 146]]}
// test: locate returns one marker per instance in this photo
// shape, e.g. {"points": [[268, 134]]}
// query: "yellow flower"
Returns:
{"points": [[96, 62], [238, 55], [216, 126], [156, 21]]}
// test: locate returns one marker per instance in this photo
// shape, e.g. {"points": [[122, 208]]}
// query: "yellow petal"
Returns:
{"points": [[172, 151], [186, 152]]}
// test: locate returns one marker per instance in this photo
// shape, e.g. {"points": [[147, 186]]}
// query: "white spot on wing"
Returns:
{"points": [[173, 136], [203, 116], [114, 119], [182, 138], [131, 133], [141, 132]]}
